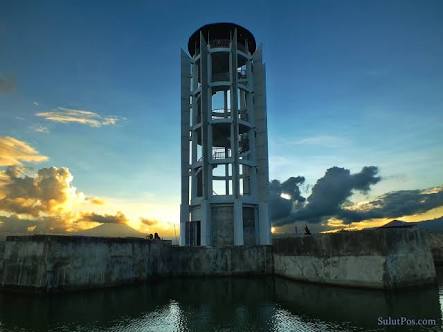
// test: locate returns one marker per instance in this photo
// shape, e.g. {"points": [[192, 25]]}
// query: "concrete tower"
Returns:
{"points": [[224, 143]]}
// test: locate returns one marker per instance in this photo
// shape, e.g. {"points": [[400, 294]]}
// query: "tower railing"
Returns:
{"points": [[220, 153], [221, 43]]}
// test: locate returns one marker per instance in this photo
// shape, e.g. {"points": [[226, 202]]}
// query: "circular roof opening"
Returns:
{"points": [[221, 31]]}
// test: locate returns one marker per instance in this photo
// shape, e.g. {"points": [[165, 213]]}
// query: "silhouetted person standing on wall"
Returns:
{"points": [[156, 237], [307, 231]]}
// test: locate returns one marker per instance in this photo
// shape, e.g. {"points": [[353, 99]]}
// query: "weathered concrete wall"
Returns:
{"points": [[249, 226], [72, 262], [63, 262], [222, 223], [385, 258], [197, 261], [436, 244]]}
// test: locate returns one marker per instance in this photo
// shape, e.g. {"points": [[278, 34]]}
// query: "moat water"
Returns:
{"points": [[223, 304]]}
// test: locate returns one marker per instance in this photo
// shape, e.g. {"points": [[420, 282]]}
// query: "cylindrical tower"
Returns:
{"points": [[224, 152]]}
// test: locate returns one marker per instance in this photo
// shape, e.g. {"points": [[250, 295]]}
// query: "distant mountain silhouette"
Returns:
{"points": [[111, 230], [398, 223], [432, 225]]}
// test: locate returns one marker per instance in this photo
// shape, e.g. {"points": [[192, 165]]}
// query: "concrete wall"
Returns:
{"points": [[47, 262], [249, 225], [222, 225], [385, 258], [72, 262], [197, 261], [436, 244]]}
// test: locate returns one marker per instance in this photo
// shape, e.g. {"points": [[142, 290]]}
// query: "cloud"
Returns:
{"points": [[46, 202], [14, 152], [394, 204], [148, 222], [285, 196], [323, 140], [327, 197], [7, 84], [40, 129], [47, 193], [95, 200], [118, 218], [329, 200], [69, 115]]}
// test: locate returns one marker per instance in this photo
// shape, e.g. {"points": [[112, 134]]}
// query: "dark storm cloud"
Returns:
{"points": [[281, 207], [327, 197], [396, 204]]}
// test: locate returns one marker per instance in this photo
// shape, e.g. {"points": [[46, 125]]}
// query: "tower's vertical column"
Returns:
{"points": [[206, 149], [261, 147], [185, 126], [238, 209]]}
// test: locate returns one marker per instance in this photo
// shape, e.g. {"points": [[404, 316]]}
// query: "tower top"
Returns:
{"points": [[217, 31]]}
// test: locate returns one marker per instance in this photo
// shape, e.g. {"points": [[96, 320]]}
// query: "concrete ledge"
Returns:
{"points": [[51, 263], [382, 258]]}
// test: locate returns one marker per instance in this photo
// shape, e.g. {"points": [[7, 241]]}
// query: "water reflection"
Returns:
{"points": [[215, 304], [359, 308]]}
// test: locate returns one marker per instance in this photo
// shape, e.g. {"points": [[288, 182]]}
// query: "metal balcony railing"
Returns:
{"points": [[220, 153], [220, 113]]}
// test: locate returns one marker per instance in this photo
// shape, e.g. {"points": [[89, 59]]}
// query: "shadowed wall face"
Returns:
{"points": [[223, 225], [383, 258], [249, 229]]}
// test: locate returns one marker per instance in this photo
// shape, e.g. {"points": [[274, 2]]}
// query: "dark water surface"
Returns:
{"points": [[220, 304]]}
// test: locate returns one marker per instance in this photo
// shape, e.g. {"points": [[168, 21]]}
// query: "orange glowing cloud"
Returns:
{"points": [[88, 118], [14, 152]]}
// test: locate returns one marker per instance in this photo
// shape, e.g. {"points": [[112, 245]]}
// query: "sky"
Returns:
{"points": [[94, 89]]}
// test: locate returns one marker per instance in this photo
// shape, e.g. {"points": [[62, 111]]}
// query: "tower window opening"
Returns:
{"points": [[219, 187], [242, 104], [198, 117], [196, 80], [219, 170], [221, 153], [190, 152], [199, 151], [191, 116], [220, 66], [242, 68], [199, 176], [221, 141], [245, 180], [243, 142], [220, 105]]}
